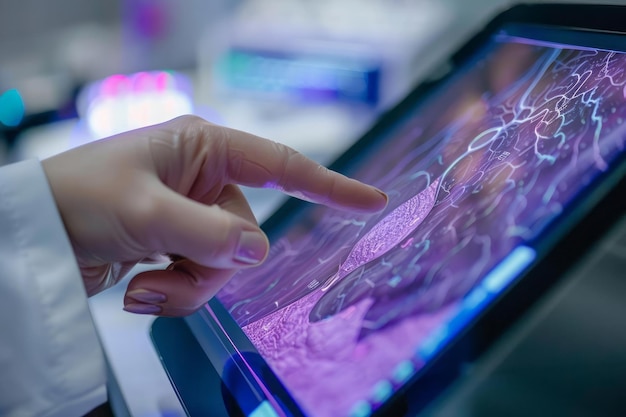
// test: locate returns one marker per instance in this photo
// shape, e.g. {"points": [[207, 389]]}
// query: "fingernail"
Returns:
{"points": [[138, 308], [383, 194], [147, 296], [252, 248]]}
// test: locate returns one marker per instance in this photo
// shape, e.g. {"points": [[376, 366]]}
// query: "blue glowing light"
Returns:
{"points": [[306, 77], [381, 391], [264, 410], [477, 299], [433, 343], [11, 108], [508, 269], [403, 371], [361, 409]]}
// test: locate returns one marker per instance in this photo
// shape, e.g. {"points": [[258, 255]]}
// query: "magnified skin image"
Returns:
{"points": [[477, 170], [388, 233]]}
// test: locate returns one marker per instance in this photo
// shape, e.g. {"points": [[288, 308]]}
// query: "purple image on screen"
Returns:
{"points": [[479, 169], [388, 232]]}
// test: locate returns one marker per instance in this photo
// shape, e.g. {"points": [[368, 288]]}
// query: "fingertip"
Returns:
{"points": [[383, 200], [363, 198], [252, 248]]}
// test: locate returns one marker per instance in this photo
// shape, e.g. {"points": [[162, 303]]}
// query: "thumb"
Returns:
{"points": [[208, 235], [214, 240], [181, 289]]}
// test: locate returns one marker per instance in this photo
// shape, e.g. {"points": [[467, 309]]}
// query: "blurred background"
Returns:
{"points": [[311, 74]]}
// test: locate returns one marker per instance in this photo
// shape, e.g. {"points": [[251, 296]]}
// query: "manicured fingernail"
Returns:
{"points": [[147, 296], [138, 308], [251, 249]]}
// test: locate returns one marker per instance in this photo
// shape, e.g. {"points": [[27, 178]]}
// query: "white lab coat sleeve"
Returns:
{"points": [[51, 361]]}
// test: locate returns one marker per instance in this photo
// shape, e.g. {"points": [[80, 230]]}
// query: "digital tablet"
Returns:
{"points": [[500, 174]]}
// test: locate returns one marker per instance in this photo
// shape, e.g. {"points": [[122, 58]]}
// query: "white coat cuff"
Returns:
{"points": [[51, 360]]}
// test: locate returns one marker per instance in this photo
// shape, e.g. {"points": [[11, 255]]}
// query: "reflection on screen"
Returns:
{"points": [[348, 307]]}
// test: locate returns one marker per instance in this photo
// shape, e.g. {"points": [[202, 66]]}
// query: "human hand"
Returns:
{"points": [[172, 189]]}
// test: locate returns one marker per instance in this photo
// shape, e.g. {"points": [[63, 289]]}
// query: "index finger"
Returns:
{"points": [[258, 162]]}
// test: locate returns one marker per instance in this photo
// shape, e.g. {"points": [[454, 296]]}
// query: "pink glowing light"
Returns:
{"points": [[124, 102]]}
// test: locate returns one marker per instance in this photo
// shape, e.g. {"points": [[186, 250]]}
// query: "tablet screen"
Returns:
{"points": [[348, 307]]}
